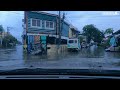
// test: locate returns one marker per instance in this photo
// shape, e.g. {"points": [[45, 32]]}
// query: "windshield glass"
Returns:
{"points": [[75, 41], [38, 39], [71, 41]]}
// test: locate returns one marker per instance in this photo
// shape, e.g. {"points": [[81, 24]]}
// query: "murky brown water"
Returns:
{"points": [[90, 57]]}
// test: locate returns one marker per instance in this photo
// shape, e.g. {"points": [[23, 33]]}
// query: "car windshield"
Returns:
{"points": [[71, 41], [40, 39], [75, 41]]}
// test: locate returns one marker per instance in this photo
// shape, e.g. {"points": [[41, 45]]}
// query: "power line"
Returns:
{"points": [[91, 17]]}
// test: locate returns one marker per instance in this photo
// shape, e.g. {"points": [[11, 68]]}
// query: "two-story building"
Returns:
{"points": [[43, 27], [73, 32]]}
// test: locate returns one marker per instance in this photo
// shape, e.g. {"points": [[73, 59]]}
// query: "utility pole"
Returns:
{"points": [[59, 29], [26, 28], [8, 29], [62, 22]]}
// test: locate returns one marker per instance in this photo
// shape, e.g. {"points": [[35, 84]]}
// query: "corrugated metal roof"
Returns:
{"points": [[45, 13]]}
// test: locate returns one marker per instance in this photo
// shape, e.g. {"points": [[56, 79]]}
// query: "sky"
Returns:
{"points": [[101, 19]]}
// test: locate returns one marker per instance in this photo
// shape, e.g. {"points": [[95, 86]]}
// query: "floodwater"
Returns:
{"points": [[92, 58]]}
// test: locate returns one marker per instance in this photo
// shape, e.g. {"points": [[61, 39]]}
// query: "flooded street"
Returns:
{"points": [[93, 58]]}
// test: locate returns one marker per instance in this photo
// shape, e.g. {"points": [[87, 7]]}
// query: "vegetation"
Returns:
{"points": [[1, 28], [81, 38], [91, 32], [109, 31], [9, 41], [106, 44]]}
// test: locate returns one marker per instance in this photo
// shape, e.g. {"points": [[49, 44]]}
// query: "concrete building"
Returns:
{"points": [[43, 27], [73, 32]]}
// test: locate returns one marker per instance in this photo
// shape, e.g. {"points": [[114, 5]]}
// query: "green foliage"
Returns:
{"points": [[93, 33], [106, 44], [81, 39], [8, 40], [109, 31], [1, 28]]}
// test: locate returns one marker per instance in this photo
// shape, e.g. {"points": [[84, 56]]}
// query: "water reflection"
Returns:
{"points": [[91, 57], [93, 52]]}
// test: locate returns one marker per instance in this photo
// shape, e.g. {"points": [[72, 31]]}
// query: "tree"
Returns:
{"points": [[81, 38], [1, 28], [109, 31], [88, 31], [8, 40], [98, 37], [1, 31], [91, 32]]}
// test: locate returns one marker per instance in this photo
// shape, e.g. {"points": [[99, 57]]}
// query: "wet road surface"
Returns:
{"points": [[92, 58]]}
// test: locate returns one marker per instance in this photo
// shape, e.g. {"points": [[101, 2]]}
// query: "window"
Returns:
{"points": [[70, 41], [36, 23], [49, 25], [75, 41], [33, 22]]}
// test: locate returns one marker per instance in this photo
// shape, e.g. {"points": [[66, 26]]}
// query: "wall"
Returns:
{"points": [[65, 30], [54, 49], [73, 33], [42, 17], [70, 33]]}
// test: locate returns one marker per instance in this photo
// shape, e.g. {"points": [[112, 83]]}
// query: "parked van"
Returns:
{"points": [[73, 44]]}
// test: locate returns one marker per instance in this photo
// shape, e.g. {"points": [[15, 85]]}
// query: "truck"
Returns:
{"points": [[73, 44]]}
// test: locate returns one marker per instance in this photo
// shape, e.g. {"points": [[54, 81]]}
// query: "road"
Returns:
{"points": [[92, 58]]}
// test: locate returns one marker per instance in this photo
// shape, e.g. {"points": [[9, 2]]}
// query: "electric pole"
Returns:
{"points": [[59, 29], [8, 29], [61, 21]]}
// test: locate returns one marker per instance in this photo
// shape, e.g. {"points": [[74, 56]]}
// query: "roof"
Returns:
{"points": [[45, 13], [71, 26]]}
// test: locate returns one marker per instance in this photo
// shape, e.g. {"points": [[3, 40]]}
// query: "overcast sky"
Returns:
{"points": [[101, 19]]}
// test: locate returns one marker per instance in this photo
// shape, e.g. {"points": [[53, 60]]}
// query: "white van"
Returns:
{"points": [[73, 44]]}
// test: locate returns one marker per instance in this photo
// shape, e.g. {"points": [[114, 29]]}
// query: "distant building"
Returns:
{"points": [[2, 35], [73, 32]]}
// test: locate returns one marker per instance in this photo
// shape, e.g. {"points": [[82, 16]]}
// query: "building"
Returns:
{"points": [[73, 32], [2, 36], [43, 27], [117, 36]]}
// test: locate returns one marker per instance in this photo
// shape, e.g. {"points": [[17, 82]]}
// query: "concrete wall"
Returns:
{"points": [[73, 33], [54, 49], [114, 49], [53, 53]]}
